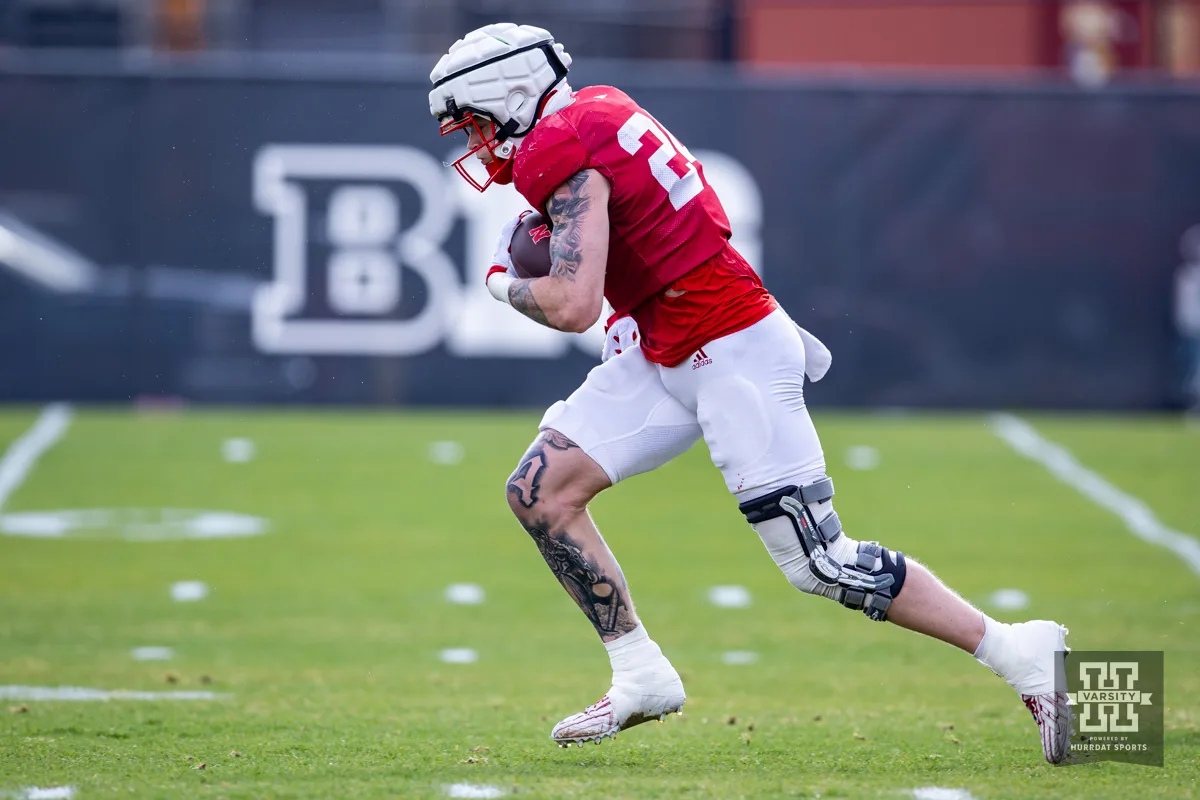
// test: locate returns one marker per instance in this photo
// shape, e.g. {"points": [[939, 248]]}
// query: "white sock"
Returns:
{"points": [[633, 651], [994, 651]]}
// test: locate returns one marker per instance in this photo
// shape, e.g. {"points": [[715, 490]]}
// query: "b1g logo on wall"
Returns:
{"points": [[1117, 701], [361, 267], [342, 251]]}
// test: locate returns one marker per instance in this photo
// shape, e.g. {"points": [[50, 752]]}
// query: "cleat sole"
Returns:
{"points": [[600, 737]]}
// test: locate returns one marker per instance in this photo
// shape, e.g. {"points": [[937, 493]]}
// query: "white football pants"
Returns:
{"points": [[744, 393]]}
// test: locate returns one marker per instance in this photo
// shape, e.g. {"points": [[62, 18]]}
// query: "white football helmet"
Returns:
{"points": [[503, 76]]}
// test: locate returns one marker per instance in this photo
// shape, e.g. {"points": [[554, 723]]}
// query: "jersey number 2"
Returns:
{"points": [[670, 162]]}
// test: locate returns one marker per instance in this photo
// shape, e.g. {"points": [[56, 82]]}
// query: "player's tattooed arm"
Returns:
{"points": [[571, 296], [568, 208], [520, 297]]}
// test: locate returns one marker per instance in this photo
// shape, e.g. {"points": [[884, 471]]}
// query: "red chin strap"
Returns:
{"points": [[499, 169]]}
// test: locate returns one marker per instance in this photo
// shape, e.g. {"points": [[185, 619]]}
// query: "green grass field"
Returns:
{"points": [[322, 637]]}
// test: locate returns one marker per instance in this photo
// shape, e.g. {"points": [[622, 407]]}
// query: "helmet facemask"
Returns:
{"points": [[493, 138]]}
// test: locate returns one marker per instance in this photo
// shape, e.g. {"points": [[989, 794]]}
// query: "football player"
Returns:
{"points": [[696, 347]]}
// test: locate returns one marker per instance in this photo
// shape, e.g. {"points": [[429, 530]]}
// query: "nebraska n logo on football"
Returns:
{"points": [[539, 233]]}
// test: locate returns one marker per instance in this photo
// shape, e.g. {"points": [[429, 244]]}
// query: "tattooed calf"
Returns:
{"points": [[596, 595]]}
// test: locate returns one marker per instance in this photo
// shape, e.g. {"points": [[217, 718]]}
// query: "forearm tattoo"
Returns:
{"points": [[600, 598], [567, 208], [520, 296]]}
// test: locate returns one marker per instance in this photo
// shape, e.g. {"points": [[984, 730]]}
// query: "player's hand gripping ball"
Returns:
{"points": [[530, 246], [522, 251]]}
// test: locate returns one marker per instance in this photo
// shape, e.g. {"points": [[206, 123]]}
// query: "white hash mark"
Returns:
{"points": [[938, 793], [459, 655], [466, 594], [483, 790], [188, 591], [739, 658], [237, 450], [729, 596], [1008, 599], [152, 653]]}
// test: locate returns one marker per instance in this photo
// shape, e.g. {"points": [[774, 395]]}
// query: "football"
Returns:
{"points": [[530, 247]]}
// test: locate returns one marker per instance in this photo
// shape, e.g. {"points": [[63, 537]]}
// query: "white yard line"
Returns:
{"points": [[84, 694], [1137, 516], [24, 453]]}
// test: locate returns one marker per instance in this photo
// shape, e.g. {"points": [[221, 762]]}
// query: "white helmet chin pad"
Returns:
{"points": [[503, 71]]}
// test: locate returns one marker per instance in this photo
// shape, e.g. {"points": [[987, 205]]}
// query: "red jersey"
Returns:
{"points": [[670, 264]]}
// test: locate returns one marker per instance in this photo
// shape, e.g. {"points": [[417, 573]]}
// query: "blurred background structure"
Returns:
{"points": [[1100, 36], [976, 203]]}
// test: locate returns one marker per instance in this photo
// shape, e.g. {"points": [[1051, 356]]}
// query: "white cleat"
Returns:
{"points": [[1037, 644], [631, 701], [1053, 718]]}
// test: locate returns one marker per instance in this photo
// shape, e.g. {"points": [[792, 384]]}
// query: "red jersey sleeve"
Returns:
{"points": [[550, 155]]}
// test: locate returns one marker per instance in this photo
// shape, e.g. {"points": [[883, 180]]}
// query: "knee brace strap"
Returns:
{"points": [[776, 504], [767, 506], [872, 582]]}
